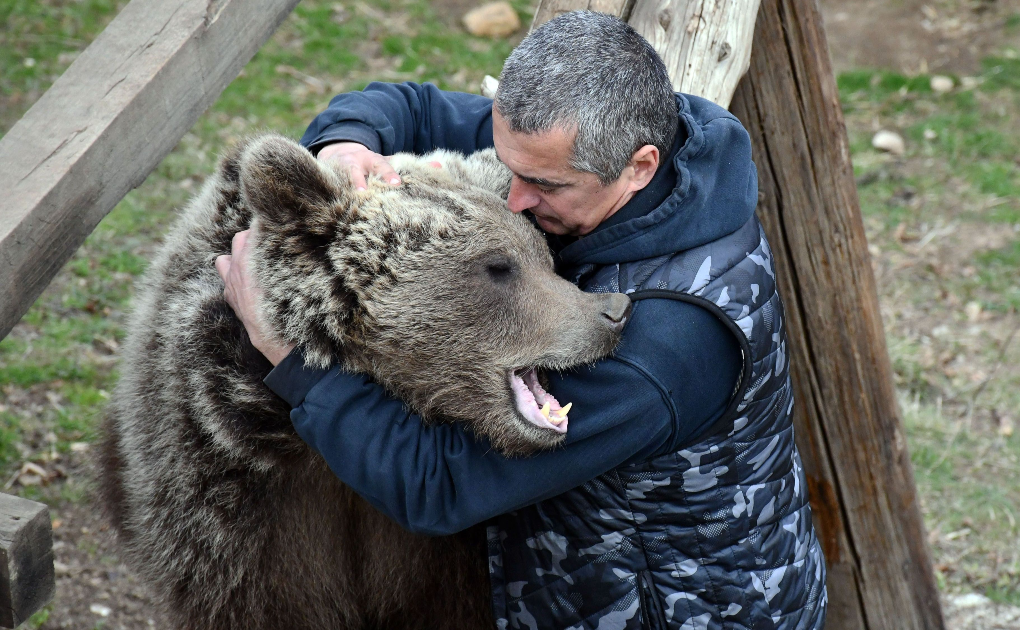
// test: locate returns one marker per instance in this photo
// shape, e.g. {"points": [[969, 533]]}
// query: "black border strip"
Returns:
{"points": [[745, 347]]}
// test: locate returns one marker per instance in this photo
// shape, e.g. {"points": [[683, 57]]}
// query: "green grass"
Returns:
{"points": [[943, 220], [38, 41]]}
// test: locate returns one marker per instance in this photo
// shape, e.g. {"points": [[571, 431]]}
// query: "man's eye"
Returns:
{"points": [[547, 189]]}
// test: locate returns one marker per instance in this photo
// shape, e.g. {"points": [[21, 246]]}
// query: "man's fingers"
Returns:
{"points": [[357, 173], [237, 245], [383, 169], [223, 267]]}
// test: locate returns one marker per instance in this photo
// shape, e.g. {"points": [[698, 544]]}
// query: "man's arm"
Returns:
{"points": [[655, 394], [392, 118], [439, 479]]}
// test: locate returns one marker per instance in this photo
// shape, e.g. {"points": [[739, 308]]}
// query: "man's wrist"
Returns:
{"points": [[275, 353], [338, 148], [346, 132], [292, 379]]}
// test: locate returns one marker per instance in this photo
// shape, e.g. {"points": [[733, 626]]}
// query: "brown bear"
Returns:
{"points": [[433, 288]]}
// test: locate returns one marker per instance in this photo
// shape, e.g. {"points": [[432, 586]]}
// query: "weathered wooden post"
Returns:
{"points": [[105, 124], [26, 559], [850, 432], [848, 424]]}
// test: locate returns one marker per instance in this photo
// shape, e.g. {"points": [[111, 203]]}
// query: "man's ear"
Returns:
{"points": [[644, 163], [281, 181]]}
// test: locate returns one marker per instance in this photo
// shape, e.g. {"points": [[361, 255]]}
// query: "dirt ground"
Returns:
{"points": [[916, 36], [95, 590]]}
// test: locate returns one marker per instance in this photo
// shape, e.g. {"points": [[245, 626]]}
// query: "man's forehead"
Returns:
{"points": [[542, 182], [541, 158]]}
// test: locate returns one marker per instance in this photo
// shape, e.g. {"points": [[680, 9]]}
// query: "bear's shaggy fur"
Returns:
{"points": [[433, 288]]}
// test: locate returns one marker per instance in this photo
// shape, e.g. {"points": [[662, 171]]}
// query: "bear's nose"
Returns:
{"points": [[617, 311]]}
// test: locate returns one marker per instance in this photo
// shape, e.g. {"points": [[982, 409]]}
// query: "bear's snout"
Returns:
{"points": [[617, 312]]}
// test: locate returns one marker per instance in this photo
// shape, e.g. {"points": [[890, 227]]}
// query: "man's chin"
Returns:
{"points": [[551, 225]]}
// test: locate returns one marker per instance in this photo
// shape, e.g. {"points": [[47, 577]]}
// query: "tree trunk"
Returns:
{"points": [[549, 9], [706, 44], [849, 432]]}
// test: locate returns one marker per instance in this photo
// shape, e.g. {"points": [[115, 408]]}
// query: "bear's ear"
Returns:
{"points": [[281, 181], [486, 171]]}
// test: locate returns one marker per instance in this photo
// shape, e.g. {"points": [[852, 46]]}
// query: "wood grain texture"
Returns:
{"points": [[107, 122], [26, 559], [847, 418], [549, 9], [706, 44]]}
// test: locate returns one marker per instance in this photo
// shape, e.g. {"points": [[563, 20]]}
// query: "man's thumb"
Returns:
{"points": [[223, 266]]}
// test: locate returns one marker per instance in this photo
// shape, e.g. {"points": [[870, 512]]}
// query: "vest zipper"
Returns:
{"points": [[652, 615]]}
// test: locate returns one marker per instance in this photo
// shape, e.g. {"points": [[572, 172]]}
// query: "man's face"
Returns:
{"points": [[563, 200]]}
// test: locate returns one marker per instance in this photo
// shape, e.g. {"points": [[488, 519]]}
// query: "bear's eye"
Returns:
{"points": [[500, 271]]}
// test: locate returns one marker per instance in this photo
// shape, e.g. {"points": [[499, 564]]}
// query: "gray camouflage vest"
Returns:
{"points": [[716, 535]]}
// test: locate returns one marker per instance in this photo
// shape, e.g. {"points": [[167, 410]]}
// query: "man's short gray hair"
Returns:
{"points": [[591, 72]]}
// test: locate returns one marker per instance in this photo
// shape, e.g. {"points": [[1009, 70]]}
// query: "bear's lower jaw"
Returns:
{"points": [[536, 405]]}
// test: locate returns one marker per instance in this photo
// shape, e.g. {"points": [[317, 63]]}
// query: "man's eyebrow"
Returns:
{"points": [[542, 182]]}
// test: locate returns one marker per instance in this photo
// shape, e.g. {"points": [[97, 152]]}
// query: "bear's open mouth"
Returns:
{"points": [[535, 404]]}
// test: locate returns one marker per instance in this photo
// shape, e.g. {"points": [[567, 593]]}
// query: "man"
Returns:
{"points": [[678, 499]]}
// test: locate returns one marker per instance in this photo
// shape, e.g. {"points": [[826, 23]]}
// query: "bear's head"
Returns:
{"points": [[434, 288]]}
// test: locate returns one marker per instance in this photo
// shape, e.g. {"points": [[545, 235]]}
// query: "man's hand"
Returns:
{"points": [[360, 161], [243, 296]]}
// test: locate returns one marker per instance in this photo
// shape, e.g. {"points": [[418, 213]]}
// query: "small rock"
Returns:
{"points": [[970, 82], [1005, 426], [493, 20], [61, 569], [889, 141], [79, 447], [968, 600], [942, 84], [489, 86], [100, 610], [929, 134], [973, 310], [29, 480]]}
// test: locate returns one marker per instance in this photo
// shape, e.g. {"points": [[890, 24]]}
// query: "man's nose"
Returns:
{"points": [[522, 196]]}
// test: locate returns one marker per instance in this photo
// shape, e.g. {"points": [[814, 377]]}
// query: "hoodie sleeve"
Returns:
{"points": [[391, 118], [439, 479]]}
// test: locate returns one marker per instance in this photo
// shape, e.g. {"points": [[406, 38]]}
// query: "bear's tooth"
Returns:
{"points": [[545, 410], [562, 413]]}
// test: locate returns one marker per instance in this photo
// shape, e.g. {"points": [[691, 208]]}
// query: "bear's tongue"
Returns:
{"points": [[537, 405]]}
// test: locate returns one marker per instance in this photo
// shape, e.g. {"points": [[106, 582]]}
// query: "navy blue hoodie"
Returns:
{"points": [[668, 382]]}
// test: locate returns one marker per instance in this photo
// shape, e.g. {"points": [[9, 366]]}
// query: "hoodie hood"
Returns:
{"points": [[716, 192]]}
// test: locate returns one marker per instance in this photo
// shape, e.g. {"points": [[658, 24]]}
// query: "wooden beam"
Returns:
{"points": [[26, 559], [706, 44], [108, 121], [848, 424]]}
